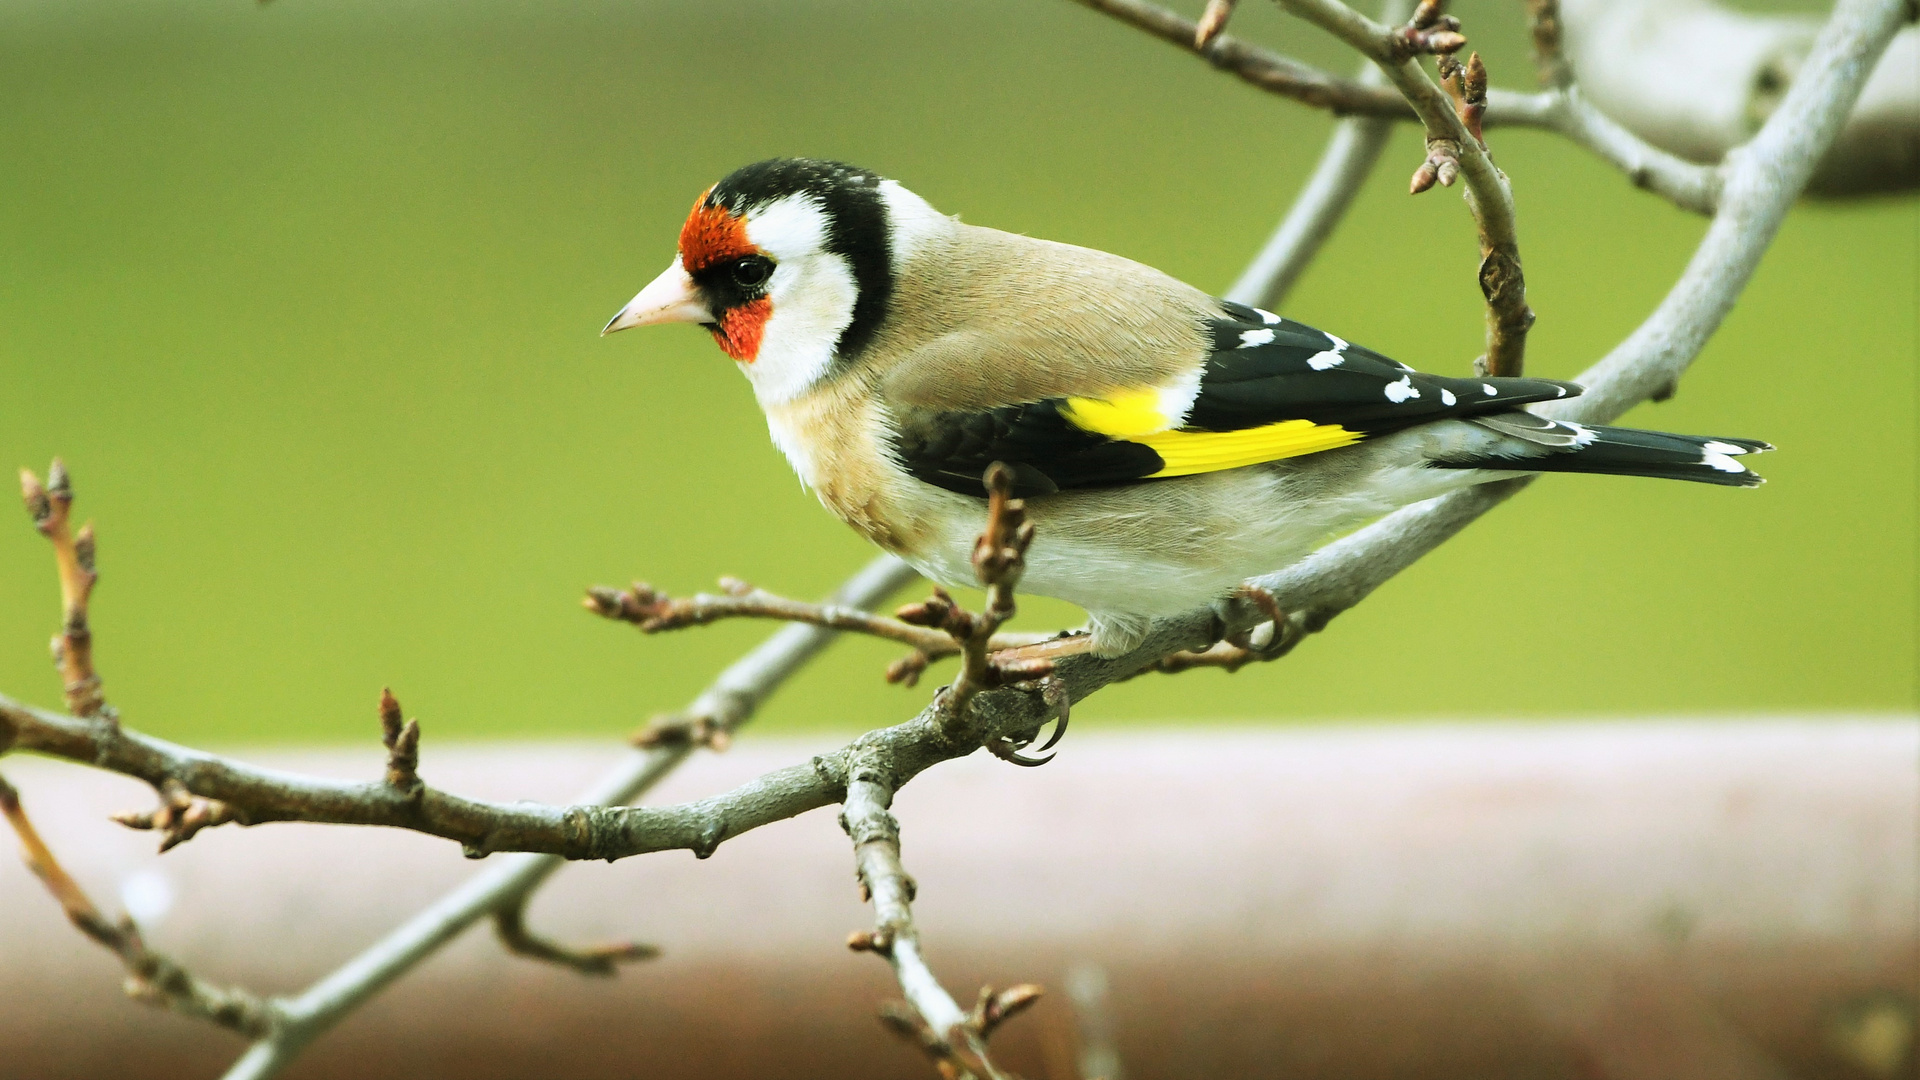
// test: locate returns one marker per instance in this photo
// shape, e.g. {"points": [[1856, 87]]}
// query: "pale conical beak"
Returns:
{"points": [[668, 298]]}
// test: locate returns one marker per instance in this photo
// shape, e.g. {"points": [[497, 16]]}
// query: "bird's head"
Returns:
{"points": [[790, 264]]}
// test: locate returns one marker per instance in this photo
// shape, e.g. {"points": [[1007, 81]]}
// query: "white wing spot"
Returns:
{"points": [[1321, 361], [1559, 391], [1723, 463], [1715, 446], [1487, 389], [1251, 338], [1266, 316], [1398, 392], [1338, 345], [1447, 398]]}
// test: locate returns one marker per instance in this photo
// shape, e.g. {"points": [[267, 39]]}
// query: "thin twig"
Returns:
{"points": [[732, 700], [403, 745], [1342, 171], [1452, 143], [653, 612], [999, 558], [51, 505], [180, 815], [151, 977], [1688, 185], [955, 1040], [510, 926]]}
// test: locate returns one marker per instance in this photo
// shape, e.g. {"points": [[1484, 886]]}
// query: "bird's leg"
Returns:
{"points": [[1053, 647]]}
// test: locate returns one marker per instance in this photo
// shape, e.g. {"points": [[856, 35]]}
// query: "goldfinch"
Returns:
{"points": [[1169, 444]]}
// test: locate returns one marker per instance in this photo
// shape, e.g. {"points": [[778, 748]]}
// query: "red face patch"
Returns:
{"points": [[740, 328], [712, 235]]}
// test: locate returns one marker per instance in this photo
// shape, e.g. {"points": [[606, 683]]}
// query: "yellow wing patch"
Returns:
{"points": [[1124, 416], [1138, 417], [1189, 452]]}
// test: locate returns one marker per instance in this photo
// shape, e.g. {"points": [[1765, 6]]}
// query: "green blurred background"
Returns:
{"points": [[307, 296]]}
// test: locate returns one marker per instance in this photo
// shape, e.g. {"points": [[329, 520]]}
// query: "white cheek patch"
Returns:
{"points": [[812, 293], [813, 300]]}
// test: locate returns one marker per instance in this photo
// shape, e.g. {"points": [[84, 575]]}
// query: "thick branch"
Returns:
{"points": [[1697, 78]]}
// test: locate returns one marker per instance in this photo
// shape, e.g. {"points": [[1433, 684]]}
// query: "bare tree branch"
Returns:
{"points": [[1453, 144], [1336, 181], [510, 926], [151, 977], [50, 505], [1262, 67], [728, 703], [1690, 186], [655, 612], [1697, 78], [1761, 182], [955, 1040]]}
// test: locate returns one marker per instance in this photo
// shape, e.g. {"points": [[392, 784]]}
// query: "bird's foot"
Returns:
{"points": [[1270, 640]]}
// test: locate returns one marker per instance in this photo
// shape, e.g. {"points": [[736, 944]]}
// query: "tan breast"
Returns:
{"points": [[834, 436]]}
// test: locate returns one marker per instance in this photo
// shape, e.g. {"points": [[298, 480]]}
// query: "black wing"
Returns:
{"points": [[1271, 388]]}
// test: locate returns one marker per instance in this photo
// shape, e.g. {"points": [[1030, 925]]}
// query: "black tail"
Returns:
{"points": [[1563, 446]]}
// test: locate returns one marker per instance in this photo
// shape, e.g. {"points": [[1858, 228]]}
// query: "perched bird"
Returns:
{"points": [[1169, 444]]}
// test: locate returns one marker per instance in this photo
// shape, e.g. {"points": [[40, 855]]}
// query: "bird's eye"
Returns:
{"points": [[752, 271]]}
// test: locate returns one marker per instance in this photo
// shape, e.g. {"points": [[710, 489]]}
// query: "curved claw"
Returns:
{"points": [[1054, 693], [1006, 751]]}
